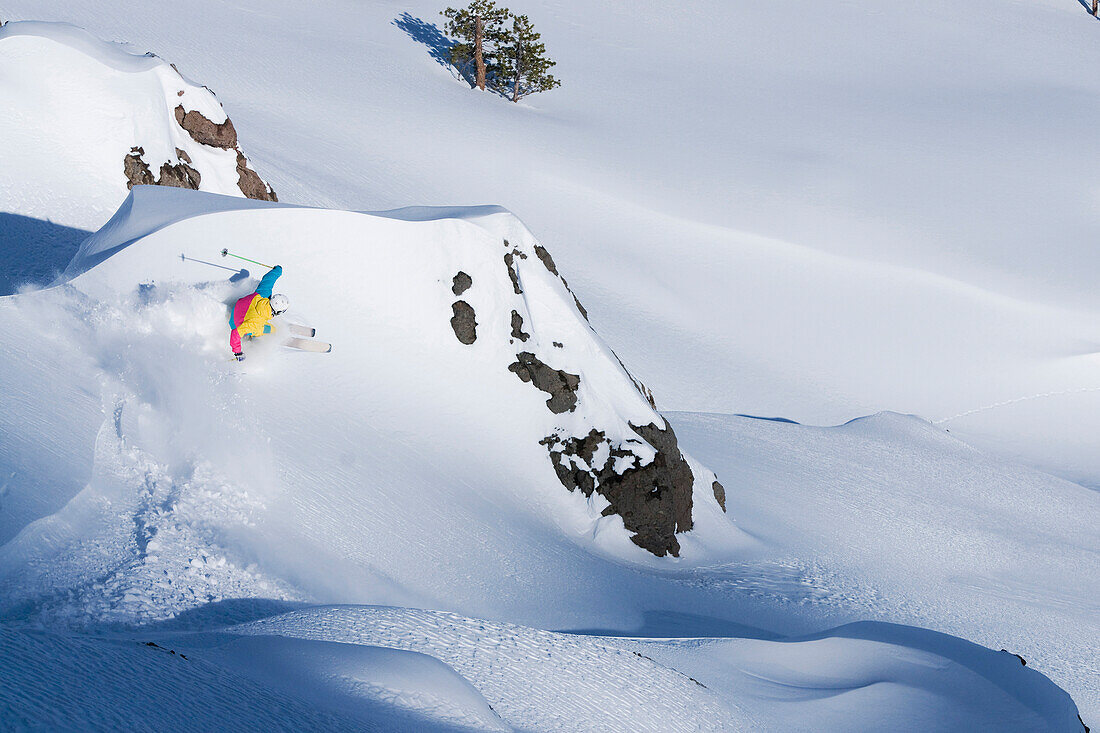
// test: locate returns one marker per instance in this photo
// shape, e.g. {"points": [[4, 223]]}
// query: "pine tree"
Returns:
{"points": [[480, 30], [524, 65]]}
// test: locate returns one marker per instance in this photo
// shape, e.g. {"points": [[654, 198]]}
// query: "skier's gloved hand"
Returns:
{"points": [[238, 356]]}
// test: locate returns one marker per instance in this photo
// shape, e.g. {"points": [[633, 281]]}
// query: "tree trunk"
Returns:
{"points": [[479, 59], [519, 70], [1095, 8]]}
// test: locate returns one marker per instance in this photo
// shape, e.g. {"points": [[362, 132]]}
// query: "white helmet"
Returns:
{"points": [[279, 303]]}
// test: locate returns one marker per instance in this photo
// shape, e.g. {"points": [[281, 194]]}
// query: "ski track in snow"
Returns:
{"points": [[1006, 403]]}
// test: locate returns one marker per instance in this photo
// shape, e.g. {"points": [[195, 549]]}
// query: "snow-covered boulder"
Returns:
{"points": [[603, 434], [488, 293], [86, 120], [466, 395]]}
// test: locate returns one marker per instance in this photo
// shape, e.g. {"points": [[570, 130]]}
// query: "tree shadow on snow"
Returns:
{"points": [[421, 31], [1087, 5], [34, 251]]}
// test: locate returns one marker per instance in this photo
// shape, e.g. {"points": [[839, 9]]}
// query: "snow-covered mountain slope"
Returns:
{"points": [[84, 121], [532, 401], [899, 218], [819, 215], [409, 468]]}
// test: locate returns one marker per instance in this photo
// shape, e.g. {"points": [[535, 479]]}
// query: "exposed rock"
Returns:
{"points": [[559, 345], [202, 130], [250, 183], [547, 260], [136, 169], [561, 386], [654, 500], [671, 480], [463, 323], [509, 260], [179, 175], [223, 135], [571, 475], [461, 283], [517, 327], [719, 495], [579, 306]]}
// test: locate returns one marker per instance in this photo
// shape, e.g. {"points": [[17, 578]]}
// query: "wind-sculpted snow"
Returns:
{"points": [[63, 682], [863, 677], [536, 680], [927, 530]]}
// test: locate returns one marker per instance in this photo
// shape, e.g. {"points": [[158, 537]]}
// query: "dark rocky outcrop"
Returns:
{"points": [[250, 183], [654, 500], [202, 130], [719, 494], [561, 386], [220, 135], [579, 306], [179, 175], [547, 260], [461, 283], [463, 323], [136, 169], [517, 327], [182, 174], [510, 262]]}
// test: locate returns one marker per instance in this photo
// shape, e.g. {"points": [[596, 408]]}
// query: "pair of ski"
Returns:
{"points": [[302, 339]]}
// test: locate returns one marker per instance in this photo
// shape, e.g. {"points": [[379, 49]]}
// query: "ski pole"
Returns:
{"points": [[254, 262]]}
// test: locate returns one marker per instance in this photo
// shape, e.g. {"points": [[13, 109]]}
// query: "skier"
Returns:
{"points": [[252, 312]]}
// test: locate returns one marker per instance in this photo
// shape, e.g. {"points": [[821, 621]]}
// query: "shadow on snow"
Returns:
{"points": [[34, 251], [421, 31]]}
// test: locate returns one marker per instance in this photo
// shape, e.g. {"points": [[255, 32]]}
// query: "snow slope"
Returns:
{"points": [[819, 236], [426, 486], [151, 351], [822, 215], [908, 524]]}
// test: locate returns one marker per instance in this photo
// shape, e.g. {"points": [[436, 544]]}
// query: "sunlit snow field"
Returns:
{"points": [[876, 223]]}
